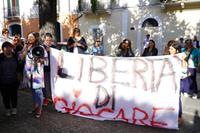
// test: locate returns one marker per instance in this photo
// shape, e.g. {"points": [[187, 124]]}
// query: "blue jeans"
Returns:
{"points": [[38, 96]]}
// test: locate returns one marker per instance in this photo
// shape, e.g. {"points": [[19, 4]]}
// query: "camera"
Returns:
{"points": [[38, 52]]}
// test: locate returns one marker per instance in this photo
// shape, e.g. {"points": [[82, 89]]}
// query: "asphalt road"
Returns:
{"points": [[54, 122]]}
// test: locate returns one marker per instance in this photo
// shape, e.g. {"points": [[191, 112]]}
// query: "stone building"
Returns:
{"points": [[111, 20]]}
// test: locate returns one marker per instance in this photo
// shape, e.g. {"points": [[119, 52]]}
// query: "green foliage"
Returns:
{"points": [[93, 5]]}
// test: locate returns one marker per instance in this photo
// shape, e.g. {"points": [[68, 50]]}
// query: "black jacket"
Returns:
{"points": [[152, 52]]}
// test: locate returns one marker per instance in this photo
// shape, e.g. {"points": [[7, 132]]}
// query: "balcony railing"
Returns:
{"points": [[172, 5], [178, 1], [101, 7], [12, 12]]}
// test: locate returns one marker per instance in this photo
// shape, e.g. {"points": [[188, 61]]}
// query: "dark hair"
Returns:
{"points": [[33, 33], [175, 45], [5, 30], [124, 41], [170, 43], [48, 35], [154, 44], [97, 40], [127, 40], [125, 51], [6, 44], [76, 30], [181, 38], [188, 41], [36, 35]]}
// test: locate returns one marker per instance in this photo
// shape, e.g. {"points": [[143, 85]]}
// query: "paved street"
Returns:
{"points": [[54, 122]]}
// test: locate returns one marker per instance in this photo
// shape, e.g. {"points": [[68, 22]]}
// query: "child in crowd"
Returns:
{"points": [[8, 78]]}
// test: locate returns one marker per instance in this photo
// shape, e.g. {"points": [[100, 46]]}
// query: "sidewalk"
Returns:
{"points": [[191, 110]]}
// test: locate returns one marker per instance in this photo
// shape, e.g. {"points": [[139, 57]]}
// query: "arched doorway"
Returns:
{"points": [[150, 22], [15, 29]]}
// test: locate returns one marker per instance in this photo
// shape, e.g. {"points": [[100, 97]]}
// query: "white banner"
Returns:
{"points": [[139, 90]]}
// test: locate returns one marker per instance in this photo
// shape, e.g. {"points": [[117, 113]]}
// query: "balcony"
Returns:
{"points": [[102, 7], [172, 5], [172, 1], [12, 13]]}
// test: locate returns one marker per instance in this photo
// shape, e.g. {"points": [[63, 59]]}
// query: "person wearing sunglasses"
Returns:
{"points": [[97, 48]]}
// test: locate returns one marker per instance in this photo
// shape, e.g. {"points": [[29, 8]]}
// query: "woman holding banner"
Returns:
{"points": [[173, 48], [166, 49]]}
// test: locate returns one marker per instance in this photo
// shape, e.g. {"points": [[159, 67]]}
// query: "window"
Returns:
{"points": [[13, 7]]}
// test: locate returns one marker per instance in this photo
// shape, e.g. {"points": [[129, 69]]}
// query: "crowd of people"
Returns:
{"points": [[26, 63]]}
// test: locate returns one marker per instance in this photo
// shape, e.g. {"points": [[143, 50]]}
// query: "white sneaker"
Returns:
{"points": [[14, 111], [8, 112], [185, 94], [194, 96]]}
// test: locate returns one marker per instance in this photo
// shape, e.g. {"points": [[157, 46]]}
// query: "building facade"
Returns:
{"points": [[111, 20], [22, 17], [115, 20]]}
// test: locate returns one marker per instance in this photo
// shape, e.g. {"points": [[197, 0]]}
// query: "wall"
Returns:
{"points": [[172, 25]]}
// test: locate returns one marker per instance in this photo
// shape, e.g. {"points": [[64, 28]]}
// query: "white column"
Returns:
{"points": [[124, 23], [139, 42]]}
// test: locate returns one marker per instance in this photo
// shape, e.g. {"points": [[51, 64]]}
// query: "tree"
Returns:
{"points": [[47, 16]]}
